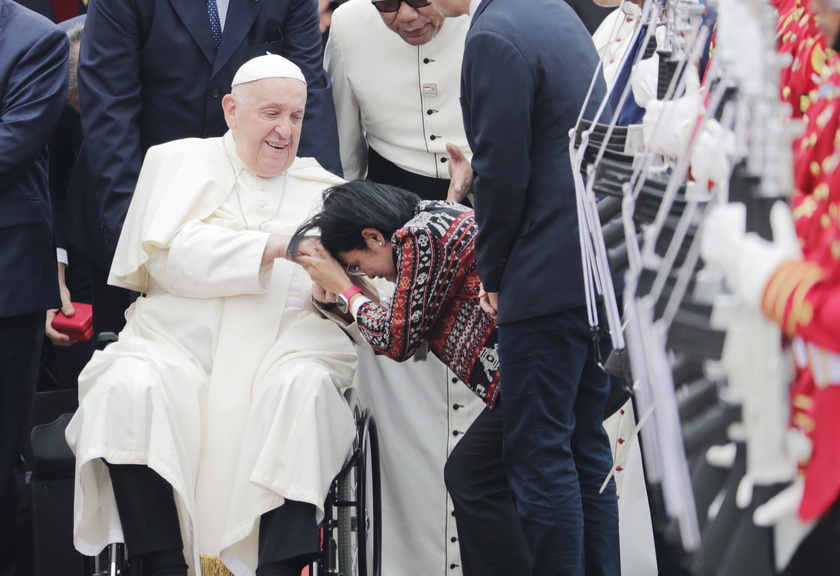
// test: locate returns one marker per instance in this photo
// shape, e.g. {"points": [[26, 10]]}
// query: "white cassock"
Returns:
{"points": [[422, 410], [225, 380], [402, 100]]}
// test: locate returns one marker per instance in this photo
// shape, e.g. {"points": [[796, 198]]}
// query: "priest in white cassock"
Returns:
{"points": [[396, 73], [208, 435]]}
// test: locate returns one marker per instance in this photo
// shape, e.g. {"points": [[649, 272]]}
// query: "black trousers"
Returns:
{"points": [[109, 302], [21, 338], [490, 535], [289, 538], [385, 172], [817, 553]]}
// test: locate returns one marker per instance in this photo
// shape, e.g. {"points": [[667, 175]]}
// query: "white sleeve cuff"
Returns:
{"points": [[357, 303], [61, 256]]}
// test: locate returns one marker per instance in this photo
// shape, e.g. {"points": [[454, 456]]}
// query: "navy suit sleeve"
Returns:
{"points": [[499, 88], [32, 102], [303, 45], [110, 96]]}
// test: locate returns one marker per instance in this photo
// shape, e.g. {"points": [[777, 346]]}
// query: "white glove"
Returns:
{"points": [[782, 505], [644, 80], [722, 456], [667, 125], [747, 260], [712, 153]]}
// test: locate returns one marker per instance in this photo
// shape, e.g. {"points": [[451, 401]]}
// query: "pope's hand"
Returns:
{"points": [[309, 246], [746, 260], [321, 294], [322, 268]]}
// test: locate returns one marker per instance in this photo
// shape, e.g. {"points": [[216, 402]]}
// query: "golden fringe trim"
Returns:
{"points": [[212, 566], [790, 284], [803, 402]]}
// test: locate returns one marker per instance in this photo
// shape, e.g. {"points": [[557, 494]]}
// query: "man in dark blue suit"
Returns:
{"points": [[33, 86], [152, 71], [526, 71]]}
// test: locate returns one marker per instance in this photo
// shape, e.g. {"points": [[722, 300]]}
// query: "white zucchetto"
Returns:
{"points": [[268, 66]]}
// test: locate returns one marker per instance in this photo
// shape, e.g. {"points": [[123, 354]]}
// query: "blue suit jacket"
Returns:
{"points": [[33, 88], [525, 76], [149, 73]]}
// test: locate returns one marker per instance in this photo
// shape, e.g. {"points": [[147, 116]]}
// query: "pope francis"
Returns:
{"points": [[207, 436]]}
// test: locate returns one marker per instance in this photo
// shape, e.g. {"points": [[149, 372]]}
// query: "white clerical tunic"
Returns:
{"points": [[402, 100], [225, 380], [422, 410]]}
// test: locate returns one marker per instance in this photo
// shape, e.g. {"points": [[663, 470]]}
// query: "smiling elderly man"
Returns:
{"points": [[210, 432]]}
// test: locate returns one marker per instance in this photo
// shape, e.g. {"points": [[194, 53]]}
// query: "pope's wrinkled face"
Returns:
{"points": [[266, 117]]}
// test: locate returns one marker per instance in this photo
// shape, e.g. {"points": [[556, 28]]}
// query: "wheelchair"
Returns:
{"points": [[350, 531], [353, 510]]}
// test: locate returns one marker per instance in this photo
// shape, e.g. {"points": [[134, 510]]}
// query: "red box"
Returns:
{"points": [[79, 326]]}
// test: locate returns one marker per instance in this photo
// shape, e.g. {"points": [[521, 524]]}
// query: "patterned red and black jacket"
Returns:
{"points": [[436, 299]]}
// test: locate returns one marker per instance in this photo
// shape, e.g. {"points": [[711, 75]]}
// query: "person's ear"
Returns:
{"points": [[373, 237], [229, 107]]}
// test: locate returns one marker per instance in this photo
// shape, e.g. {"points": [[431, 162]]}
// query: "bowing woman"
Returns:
{"points": [[427, 249]]}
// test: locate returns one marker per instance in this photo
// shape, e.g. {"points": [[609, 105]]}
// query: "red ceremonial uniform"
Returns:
{"points": [[799, 37], [804, 296]]}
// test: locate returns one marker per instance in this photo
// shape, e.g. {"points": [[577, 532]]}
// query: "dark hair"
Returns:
{"points": [[350, 208]]}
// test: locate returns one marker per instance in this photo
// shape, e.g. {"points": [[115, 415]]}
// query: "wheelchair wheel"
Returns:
{"points": [[110, 562], [359, 496]]}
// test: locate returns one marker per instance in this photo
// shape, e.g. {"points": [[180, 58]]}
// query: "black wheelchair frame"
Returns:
{"points": [[351, 510]]}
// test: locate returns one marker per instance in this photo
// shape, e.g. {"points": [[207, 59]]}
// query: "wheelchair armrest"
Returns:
{"points": [[52, 456]]}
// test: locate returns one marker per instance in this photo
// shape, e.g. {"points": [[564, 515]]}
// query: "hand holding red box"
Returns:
{"points": [[79, 326]]}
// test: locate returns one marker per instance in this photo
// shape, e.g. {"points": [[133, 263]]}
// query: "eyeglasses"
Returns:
{"points": [[388, 6], [353, 270]]}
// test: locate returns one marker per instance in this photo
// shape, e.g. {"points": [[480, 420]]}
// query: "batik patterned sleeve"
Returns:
{"points": [[426, 269]]}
